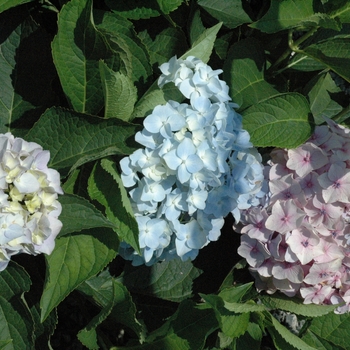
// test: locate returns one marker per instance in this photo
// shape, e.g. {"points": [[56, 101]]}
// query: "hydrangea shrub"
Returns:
{"points": [[197, 166], [297, 240], [80, 78]]}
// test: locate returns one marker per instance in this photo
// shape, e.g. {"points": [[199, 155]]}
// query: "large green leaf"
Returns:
{"points": [[119, 92], [169, 280], [79, 214], [280, 121], [74, 139], [202, 49], [14, 332], [16, 320], [123, 41], [333, 328], [284, 15], [76, 51], [7, 4], [106, 187], [26, 77], [244, 73], [333, 53], [231, 13], [74, 260]]}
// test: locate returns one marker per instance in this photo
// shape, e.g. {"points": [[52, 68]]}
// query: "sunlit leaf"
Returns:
{"points": [[74, 139], [75, 259], [296, 306], [119, 92], [106, 187], [271, 121], [76, 50], [79, 214], [170, 280]]}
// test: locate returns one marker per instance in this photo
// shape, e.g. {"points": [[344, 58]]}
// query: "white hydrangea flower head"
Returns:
{"points": [[198, 165], [29, 208]]}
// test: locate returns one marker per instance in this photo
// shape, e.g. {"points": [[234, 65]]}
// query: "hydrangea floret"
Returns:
{"points": [[297, 240], [197, 166], [29, 208]]}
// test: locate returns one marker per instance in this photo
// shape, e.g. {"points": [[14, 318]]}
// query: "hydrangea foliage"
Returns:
{"points": [[297, 240], [29, 208], [197, 165]]}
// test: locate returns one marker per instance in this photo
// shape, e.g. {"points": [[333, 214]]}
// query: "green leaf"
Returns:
{"points": [[14, 281], [242, 308], [169, 280], [203, 46], [251, 339], [68, 186], [7, 4], [187, 329], [106, 187], [321, 103], [288, 338], [202, 49], [333, 328], [74, 139], [124, 42], [233, 325], [230, 13], [235, 294], [333, 53], [167, 6], [79, 214], [77, 49], [119, 92], [15, 318], [115, 300], [14, 330], [134, 9], [270, 122], [168, 43], [296, 306], [317, 342], [21, 100], [339, 9], [284, 15], [244, 73], [75, 259], [305, 63]]}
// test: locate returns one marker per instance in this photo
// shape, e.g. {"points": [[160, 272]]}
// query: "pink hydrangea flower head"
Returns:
{"points": [[307, 212]]}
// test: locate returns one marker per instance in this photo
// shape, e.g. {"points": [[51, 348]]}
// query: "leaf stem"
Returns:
{"points": [[293, 46]]}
